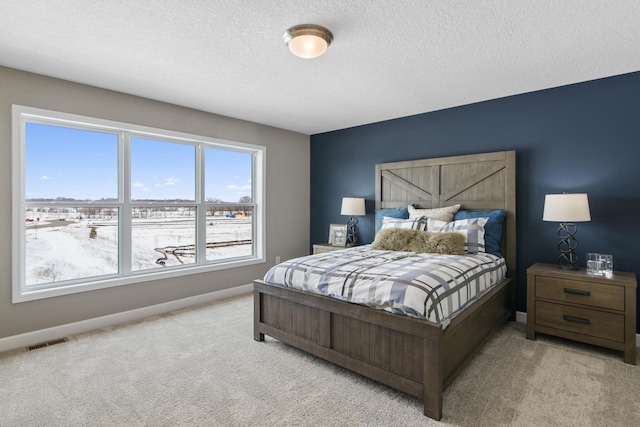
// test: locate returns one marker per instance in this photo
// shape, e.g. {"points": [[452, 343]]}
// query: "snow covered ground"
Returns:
{"points": [[63, 250]]}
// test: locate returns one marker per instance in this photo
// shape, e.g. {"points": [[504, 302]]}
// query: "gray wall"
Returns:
{"points": [[287, 197]]}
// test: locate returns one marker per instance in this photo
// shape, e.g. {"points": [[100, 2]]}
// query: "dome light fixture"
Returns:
{"points": [[308, 40]]}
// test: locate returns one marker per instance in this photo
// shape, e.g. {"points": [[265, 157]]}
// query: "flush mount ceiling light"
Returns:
{"points": [[308, 40]]}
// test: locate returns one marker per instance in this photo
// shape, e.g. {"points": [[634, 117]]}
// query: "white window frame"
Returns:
{"points": [[23, 114]]}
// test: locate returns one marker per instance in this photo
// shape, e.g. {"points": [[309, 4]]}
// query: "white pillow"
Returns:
{"points": [[413, 224], [442, 214], [472, 229]]}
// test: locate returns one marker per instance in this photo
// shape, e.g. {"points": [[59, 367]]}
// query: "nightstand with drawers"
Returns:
{"points": [[575, 305], [319, 248]]}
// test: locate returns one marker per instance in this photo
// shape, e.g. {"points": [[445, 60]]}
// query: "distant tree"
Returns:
{"points": [[246, 210], [212, 209], [90, 212], [110, 213]]}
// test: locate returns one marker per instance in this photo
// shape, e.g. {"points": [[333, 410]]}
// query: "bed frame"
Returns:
{"points": [[411, 355]]}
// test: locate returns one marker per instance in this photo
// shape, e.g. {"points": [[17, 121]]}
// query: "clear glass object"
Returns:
{"points": [[600, 264], [607, 262]]}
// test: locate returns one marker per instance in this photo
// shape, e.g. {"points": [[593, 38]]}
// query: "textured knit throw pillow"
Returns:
{"points": [[401, 239]]}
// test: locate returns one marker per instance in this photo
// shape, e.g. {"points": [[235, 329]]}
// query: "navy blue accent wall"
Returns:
{"points": [[578, 138]]}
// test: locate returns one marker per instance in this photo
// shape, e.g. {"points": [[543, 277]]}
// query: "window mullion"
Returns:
{"points": [[201, 209], [124, 232], [254, 213], [258, 178]]}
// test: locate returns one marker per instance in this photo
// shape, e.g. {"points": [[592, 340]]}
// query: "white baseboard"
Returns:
{"points": [[521, 317], [42, 335]]}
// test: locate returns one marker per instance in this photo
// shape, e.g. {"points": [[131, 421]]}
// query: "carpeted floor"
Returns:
{"points": [[201, 366]]}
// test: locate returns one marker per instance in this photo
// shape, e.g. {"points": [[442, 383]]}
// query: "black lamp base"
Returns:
{"points": [[568, 259], [352, 232]]}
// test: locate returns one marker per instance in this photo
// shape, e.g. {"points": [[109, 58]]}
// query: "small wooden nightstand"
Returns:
{"points": [[319, 248], [575, 305]]}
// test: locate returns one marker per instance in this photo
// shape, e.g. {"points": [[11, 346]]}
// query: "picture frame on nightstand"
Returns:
{"points": [[338, 234]]}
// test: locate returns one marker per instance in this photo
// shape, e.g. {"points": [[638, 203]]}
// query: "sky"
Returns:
{"points": [[83, 165]]}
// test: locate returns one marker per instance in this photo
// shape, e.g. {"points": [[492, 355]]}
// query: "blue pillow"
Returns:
{"points": [[401, 213], [492, 229]]}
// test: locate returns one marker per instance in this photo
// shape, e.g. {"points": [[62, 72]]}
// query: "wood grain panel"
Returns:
{"points": [[300, 320], [585, 321], [408, 184], [379, 346], [473, 327], [400, 349], [405, 356], [577, 292], [359, 340], [341, 333]]}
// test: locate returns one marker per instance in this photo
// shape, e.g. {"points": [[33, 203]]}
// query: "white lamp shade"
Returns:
{"points": [[566, 208], [352, 206]]}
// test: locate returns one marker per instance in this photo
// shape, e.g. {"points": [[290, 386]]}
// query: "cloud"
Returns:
{"points": [[232, 187], [246, 187], [169, 181], [138, 185], [45, 177]]}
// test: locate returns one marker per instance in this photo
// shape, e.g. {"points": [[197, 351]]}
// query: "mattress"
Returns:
{"points": [[425, 286]]}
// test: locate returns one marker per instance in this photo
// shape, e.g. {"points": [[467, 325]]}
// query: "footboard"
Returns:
{"points": [[410, 355]]}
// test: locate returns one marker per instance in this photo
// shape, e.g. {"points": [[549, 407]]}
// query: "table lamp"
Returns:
{"points": [[567, 209], [352, 206]]}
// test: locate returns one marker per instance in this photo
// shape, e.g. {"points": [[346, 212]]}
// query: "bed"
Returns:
{"points": [[416, 356]]}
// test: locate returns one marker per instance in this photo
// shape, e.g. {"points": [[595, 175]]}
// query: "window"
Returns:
{"points": [[99, 203]]}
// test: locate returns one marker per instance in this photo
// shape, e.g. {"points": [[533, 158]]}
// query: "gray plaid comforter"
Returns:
{"points": [[426, 286]]}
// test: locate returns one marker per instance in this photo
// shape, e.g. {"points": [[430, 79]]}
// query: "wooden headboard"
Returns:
{"points": [[478, 182]]}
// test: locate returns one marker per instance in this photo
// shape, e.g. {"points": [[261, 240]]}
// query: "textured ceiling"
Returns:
{"points": [[389, 59]]}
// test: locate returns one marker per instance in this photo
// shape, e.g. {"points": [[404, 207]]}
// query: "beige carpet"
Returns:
{"points": [[201, 367]]}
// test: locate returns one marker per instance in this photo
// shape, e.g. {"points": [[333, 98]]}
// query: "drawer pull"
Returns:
{"points": [[576, 319], [577, 292]]}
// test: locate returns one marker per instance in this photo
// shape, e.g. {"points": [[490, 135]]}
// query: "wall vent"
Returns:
{"points": [[47, 344]]}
